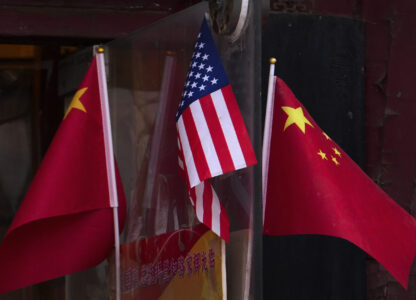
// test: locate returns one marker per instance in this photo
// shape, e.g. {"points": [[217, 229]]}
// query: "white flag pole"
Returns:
{"points": [[268, 130], [109, 155]]}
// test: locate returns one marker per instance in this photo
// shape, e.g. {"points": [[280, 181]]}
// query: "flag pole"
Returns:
{"points": [[268, 130], [109, 155]]}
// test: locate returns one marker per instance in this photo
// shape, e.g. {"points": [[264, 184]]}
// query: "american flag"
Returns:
{"points": [[212, 137]]}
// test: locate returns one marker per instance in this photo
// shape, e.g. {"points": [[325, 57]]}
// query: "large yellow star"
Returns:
{"points": [[295, 116], [76, 103]]}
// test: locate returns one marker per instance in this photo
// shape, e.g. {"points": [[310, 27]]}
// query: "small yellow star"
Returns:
{"points": [[336, 152], [334, 159], [326, 136], [322, 154], [295, 116], [76, 103]]}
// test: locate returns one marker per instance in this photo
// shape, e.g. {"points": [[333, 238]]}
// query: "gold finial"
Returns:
{"points": [[273, 60], [170, 53], [100, 50]]}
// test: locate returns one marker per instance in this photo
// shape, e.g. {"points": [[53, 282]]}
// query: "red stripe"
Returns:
{"points": [[239, 126], [195, 144], [207, 204], [183, 171], [217, 134], [192, 195]]}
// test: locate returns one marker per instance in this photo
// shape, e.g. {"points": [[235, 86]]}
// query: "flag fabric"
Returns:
{"points": [[65, 222], [212, 137], [315, 188], [209, 210], [204, 199]]}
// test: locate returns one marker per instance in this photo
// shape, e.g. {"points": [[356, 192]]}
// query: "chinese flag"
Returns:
{"points": [[65, 222], [313, 187]]}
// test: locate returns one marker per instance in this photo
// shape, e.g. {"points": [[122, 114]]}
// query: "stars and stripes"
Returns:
{"points": [[212, 137]]}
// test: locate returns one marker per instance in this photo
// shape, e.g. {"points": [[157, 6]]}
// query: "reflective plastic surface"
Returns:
{"points": [[146, 75]]}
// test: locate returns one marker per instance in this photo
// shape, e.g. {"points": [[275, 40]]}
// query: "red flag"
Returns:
{"points": [[315, 188], [65, 222]]}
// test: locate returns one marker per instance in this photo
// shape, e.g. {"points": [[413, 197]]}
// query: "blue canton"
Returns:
{"points": [[206, 73]]}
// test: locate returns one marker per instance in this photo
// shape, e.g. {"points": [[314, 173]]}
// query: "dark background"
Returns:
{"points": [[321, 58]]}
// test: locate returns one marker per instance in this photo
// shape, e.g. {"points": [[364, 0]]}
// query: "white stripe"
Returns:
{"points": [[228, 129], [199, 201], [216, 213], [179, 144], [205, 137], [192, 200], [187, 154], [180, 163]]}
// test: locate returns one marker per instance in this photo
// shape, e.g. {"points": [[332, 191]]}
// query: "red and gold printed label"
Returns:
{"points": [[183, 264]]}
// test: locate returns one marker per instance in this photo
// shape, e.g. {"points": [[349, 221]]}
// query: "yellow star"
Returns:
{"points": [[322, 154], [326, 136], [334, 159], [295, 116], [76, 103], [336, 151]]}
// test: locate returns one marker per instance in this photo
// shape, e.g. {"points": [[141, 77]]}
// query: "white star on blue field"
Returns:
{"points": [[206, 73]]}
